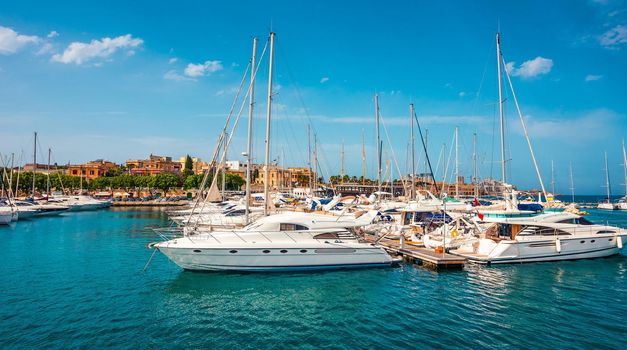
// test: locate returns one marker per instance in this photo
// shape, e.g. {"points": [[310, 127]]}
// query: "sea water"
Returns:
{"points": [[76, 281]]}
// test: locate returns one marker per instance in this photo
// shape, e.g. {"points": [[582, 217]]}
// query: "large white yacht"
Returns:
{"points": [[282, 242], [528, 240]]}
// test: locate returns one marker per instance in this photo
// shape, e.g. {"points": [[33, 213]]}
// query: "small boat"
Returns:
{"points": [[82, 203]]}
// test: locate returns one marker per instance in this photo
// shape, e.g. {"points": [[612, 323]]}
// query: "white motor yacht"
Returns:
{"points": [[27, 209], [526, 241], [282, 242]]}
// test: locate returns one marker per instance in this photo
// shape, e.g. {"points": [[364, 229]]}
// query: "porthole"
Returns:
{"points": [[609, 240], [266, 251], [303, 250], [592, 241], [283, 251], [582, 242], [197, 251], [233, 251]]}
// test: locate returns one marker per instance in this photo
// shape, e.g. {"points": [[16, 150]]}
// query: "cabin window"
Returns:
{"points": [[303, 250], [293, 227], [328, 235], [542, 231], [197, 251], [576, 221], [605, 231]]}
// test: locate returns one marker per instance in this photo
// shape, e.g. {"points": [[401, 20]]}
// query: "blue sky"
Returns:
{"points": [[120, 80]]}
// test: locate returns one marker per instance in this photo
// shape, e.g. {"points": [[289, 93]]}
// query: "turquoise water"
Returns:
{"points": [[76, 281]]}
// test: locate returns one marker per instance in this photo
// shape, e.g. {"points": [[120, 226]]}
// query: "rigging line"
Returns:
{"points": [[424, 146], [391, 147], [208, 172]]}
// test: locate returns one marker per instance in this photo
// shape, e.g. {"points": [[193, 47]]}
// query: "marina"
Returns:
{"points": [[313, 175]]}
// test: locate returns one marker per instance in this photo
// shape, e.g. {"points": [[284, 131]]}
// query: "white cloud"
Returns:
{"points": [[202, 69], [592, 77], [220, 92], [613, 38], [79, 52], [532, 68], [52, 34], [173, 75], [11, 41], [462, 93], [172, 60], [45, 49], [324, 80]]}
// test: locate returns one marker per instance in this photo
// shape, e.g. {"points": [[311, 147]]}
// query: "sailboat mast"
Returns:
{"points": [[266, 189], [309, 160], [625, 166], [413, 155], [48, 178], [376, 106], [607, 180], [456, 162], [572, 183], [315, 163], [249, 147], [224, 145], [474, 158], [552, 178], [342, 172], [502, 120], [363, 157], [34, 162]]}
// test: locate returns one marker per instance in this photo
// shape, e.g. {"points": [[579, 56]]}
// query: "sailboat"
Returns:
{"points": [[607, 203], [546, 237]]}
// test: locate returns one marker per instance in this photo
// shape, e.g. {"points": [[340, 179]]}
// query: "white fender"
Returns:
{"points": [[558, 245], [619, 242]]}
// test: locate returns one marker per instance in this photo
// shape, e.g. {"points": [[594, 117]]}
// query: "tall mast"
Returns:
{"points": [[607, 180], [456, 162], [625, 166], [266, 190], [502, 120], [474, 158], [249, 147], [413, 156], [552, 178], [342, 171], [48, 178], [376, 107], [224, 145], [363, 157], [309, 160], [572, 183], [315, 163], [34, 163]]}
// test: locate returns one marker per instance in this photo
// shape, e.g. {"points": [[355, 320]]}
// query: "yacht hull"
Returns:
{"points": [[538, 251], [293, 259]]}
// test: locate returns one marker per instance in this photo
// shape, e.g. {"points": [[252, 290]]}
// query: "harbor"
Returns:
{"points": [[313, 175]]}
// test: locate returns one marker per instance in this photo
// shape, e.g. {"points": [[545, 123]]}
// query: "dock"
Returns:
{"points": [[151, 203], [417, 253]]}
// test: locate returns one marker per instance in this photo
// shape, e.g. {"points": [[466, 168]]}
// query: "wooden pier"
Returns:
{"points": [[417, 253]]}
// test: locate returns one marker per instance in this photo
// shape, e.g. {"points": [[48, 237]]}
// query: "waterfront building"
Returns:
{"points": [[153, 165], [92, 169], [43, 168]]}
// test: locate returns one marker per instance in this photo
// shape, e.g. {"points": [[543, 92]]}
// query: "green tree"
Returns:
{"points": [[234, 182], [166, 181]]}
